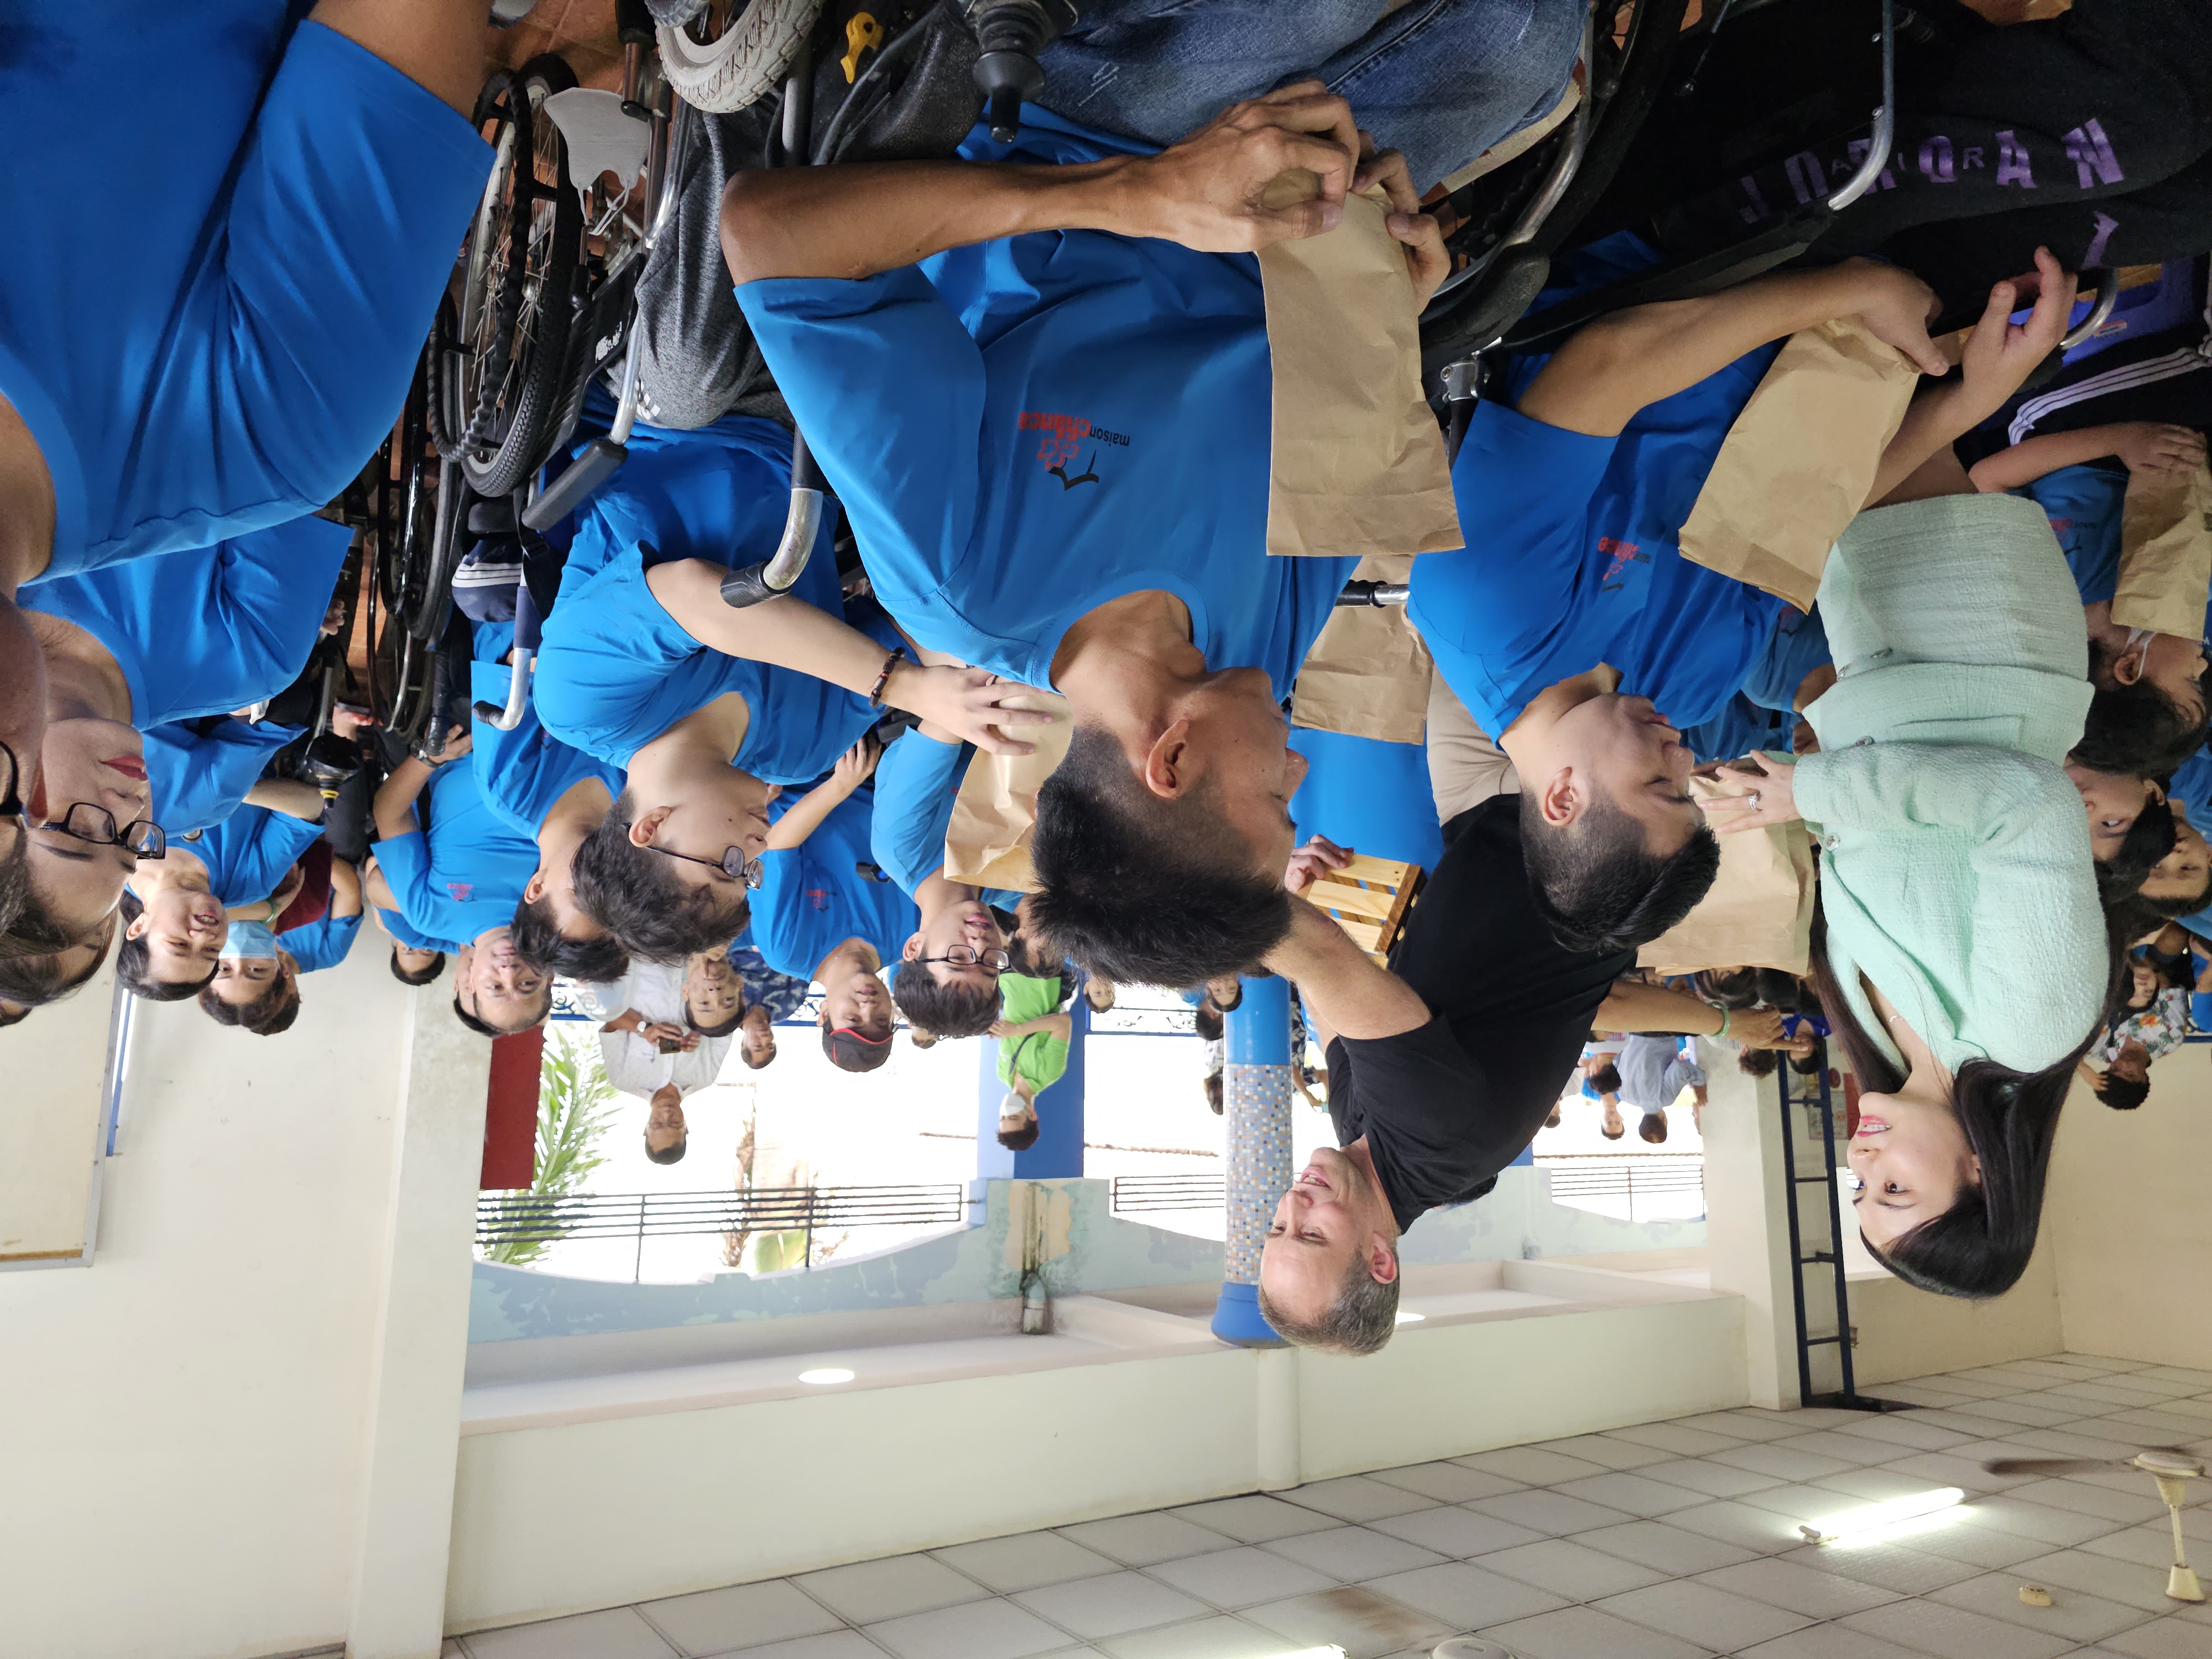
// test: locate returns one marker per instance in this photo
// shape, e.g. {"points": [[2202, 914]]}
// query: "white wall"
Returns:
{"points": [[184, 1425], [49, 1122]]}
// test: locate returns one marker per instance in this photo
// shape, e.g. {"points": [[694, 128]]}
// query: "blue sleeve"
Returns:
{"points": [[321, 945], [779, 912], [405, 861], [248, 853], [916, 782], [200, 779], [883, 371], [413, 937]]}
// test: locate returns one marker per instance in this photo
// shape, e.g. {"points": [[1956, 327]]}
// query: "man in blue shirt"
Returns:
{"points": [[555, 795], [2153, 702], [462, 881], [1065, 481], [707, 708], [822, 912], [1575, 632]]}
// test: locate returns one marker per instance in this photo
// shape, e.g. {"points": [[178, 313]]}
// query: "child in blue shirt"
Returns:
{"points": [[178, 910], [2154, 690], [707, 708], [1065, 479], [946, 982], [822, 914]]}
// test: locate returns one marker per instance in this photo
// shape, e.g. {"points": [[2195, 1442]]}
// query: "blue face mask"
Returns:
{"points": [[250, 940]]}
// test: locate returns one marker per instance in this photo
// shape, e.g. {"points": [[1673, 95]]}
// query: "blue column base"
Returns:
{"points": [[1236, 1319]]}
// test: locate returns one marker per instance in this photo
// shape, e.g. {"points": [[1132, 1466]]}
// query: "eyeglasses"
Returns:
{"points": [[11, 804], [961, 956], [733, 863], [142, 838]]}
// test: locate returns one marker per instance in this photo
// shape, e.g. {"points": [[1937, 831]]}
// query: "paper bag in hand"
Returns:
{"points": [[1367, 673], [1357, 462], [994, 813], [2166, 552], [1759, 912], [1801, 460]]}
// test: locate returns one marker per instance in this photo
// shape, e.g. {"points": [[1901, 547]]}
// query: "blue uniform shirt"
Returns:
{"points": [[1024, 430], [617, 670], [223, 351], [465, 877], [2083, 505], [916, 783], [412, 936], [813, 896], [209, 629], [200, 777], [2192, 787], [523, 773], [321, 945], [248, 853]]}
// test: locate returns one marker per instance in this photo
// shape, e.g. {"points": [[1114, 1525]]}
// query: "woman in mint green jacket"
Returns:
{"points": [[1964, 957]]}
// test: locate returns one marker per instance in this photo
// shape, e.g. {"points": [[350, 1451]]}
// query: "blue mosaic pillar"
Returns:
{"points": [[1256, 1093]]}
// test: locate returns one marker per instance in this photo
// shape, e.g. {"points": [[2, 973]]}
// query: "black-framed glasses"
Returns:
{"points": [[733, 863], [11, 804], [142, 838], [960, 956]]}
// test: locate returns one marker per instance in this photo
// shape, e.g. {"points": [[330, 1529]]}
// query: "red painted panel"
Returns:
{"points": [[510, 1153]]}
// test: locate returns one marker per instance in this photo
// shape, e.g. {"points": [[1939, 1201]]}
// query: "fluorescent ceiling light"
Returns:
{"points": [[826, 1376], [1411, 1318], [1873, 1515]]}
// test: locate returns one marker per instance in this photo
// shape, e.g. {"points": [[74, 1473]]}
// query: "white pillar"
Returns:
{"points": [[1747, 1221]]}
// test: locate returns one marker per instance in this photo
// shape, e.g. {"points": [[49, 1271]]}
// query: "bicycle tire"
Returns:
{"points": [[442, 413], [518, 367], [744, 63]]}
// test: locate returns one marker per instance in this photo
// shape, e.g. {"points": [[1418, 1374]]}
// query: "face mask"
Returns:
{"points": [[250, 940]]}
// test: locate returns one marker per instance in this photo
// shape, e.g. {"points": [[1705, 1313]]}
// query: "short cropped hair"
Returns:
{"points": [[134, 961], [1598, 886], [671, 1154], [634, 893], [2123, 1094], [1206, 1018], [1757, 1062], [470, 1020], [1653, 1128], [720, 1030], [15, 1014], [2137, 729], [437, 967], [1140, 890], [272, 1012], [956, 1010], [14, 881], [539, 942], [1360, 1321], [1606, 1080], [1021, 1139]]}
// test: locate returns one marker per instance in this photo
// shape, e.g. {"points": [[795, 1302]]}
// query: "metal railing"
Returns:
{"points": [[1132, 1194], [1574, 1181], [523, 1217]]}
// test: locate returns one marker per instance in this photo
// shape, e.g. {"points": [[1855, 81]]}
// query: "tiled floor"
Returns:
{"points": [[1672, 1541]]}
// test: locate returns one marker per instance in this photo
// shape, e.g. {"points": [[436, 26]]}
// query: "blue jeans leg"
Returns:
{"points": [[1442, 80]]}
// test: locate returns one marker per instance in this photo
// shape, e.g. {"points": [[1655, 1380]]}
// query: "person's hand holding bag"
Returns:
{"points": [[1758, 798]]}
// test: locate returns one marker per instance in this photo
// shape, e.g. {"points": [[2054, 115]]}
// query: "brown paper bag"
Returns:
{"points": [[994, 813], [1367, 673], [1759, 912], [2166, 553], [1799, 460], [1357, 463]]}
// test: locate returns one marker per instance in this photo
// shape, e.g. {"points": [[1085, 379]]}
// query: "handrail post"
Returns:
{"points": [[637, 1271]]}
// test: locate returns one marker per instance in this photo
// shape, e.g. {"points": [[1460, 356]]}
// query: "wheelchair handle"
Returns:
{"points": [[802, 525], [522, 661], [2108, 300], [1885, 120], [1377, 594]]}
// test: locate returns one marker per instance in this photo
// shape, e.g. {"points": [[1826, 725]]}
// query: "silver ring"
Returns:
{"points": [[1754, 801]]}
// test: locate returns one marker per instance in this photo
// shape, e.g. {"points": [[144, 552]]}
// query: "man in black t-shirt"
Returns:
{"points": [[1440, 1070]]}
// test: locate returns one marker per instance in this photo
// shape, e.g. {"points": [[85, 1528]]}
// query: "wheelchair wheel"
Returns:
{"points": [[733, 53], [517, 285]]}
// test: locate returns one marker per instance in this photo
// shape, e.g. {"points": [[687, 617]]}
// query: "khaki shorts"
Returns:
{"points": [[1465, 769]]}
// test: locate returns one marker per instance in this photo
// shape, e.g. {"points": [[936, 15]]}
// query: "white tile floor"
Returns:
{"points": [[1670, 1540]]}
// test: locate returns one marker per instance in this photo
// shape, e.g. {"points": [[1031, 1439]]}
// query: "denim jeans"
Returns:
{"points": [[1441, 80]]}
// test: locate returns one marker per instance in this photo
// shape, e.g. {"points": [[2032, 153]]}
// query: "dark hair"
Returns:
{"points": [[539, 942], [35, 981], [1980, 1246], [1361, 1320], [747, 1054], [1021, 1139], [1653, 1128], [133, 961], [1757, 1062], [2149, 839], [272, 1012], [484, 1027], [437, 966], [1212, 1087], [1207, 1018], [1607, 1078], [1612, 1134], [15, 882], [634, 893], [1235, 1002], [470, 1020], [32, 932], [1140, 890], [15, 1014], [1597, 886], [849, 1051], [721, 1031], [2137, 729], [671, 1154], [2123, 1094], [956, 1010]]}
